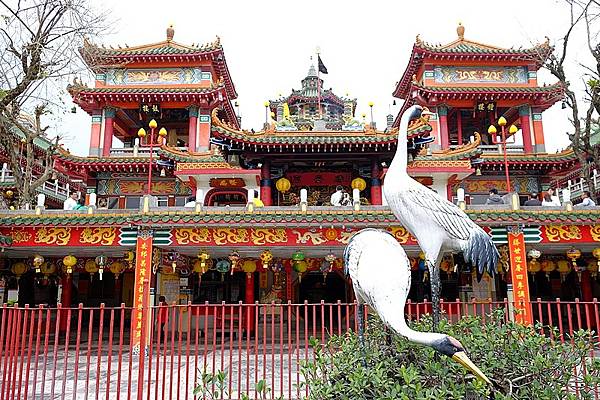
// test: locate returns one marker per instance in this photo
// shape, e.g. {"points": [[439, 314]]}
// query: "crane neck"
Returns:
{"points": [[424, 338], [400, 162]]}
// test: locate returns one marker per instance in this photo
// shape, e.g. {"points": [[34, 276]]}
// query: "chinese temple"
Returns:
{"points": [[184, 203]]}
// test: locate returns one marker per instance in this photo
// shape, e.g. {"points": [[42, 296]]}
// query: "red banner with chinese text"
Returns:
{"points": [[518, 271], [141, 298]]}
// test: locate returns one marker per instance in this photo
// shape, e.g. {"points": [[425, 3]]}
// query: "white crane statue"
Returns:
{"points": [[380, 273], [438, 225]]}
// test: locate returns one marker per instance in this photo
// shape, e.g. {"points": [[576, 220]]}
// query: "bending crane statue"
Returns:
{"points": [[438, 225], [373, 253]]}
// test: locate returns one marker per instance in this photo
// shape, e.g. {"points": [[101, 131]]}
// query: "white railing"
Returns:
{"points": [[54, 187], [138, 151], [578, 186], [498, 148]]}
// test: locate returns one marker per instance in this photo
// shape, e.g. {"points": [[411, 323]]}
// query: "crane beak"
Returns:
{"points": [[462, 358]]}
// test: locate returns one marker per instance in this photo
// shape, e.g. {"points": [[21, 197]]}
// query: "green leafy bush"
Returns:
{"points": [[523, 363]]}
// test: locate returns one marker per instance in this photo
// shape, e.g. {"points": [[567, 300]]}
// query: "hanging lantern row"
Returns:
{"points": [[234, 258], [266, 257]]}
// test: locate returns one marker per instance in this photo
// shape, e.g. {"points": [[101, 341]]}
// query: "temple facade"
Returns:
{"points": [[194, 208]]}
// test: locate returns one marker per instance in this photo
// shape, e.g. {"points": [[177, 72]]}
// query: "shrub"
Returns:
{"points": [[523, 363]]}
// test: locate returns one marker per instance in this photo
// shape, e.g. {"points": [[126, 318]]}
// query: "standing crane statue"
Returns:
{"points": [[372, 254], [438, 225]]}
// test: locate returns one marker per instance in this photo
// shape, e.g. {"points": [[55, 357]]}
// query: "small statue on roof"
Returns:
{"points": [[170, 33]]}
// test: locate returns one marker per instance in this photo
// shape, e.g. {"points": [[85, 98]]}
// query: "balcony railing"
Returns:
{"points": [[52, 187], [578, 186], [138, 151]]}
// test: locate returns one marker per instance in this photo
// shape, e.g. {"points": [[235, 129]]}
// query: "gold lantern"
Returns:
{"points": [[38, 260], [203, 258], [117, 268], [534, 265], [19, 268], [358, 183], [593, 268], [129, 257], [548, 266], [596, 253], [564, 267], [48, 269], [201, 266], [283, 185], [249, 267], [300, 267], [266, 257], [91, 268], [573, 255], [69, 262]]}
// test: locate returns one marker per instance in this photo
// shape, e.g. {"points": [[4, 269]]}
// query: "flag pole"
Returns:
{"points": [[318, 83]]}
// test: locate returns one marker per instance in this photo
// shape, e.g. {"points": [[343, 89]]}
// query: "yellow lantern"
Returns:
{"points": [[48, 269], [573, 255], [129, 257], [9, 193], [596, 253], [564, 267], [300, 267], [201, 266], [593, 268], [534, 266], [283, 185], [249, 267], [38, 260], [266, 257], [19, 269], [548, 266], [91, 268], [358, 183], [69, 262], [203, 257], [513, 129], [152, 124], [117, 268]]}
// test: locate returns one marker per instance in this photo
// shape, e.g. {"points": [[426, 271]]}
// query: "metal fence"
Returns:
{"points": [[86, 353]]}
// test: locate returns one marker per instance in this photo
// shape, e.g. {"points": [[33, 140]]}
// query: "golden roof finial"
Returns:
{"points": [[460, 31], [170, 33]]}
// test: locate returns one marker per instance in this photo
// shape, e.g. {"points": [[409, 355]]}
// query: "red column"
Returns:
{"points": [[65, 298], [266, 183], [376, 199], [96, 133], [444, 138], [249, 299], [524, 117], [204, 134], [193, 124], [109, 116]]}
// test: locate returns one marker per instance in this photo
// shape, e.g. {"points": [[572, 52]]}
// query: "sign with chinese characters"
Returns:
{"points": [[485, 106], [227, 183], [150, 109], [141, 289], [460, 74], [518, 271]]}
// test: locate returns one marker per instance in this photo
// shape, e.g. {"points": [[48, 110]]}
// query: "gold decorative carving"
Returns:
{"points": [[344, 237], [595, 232], [399, 233], [262, 236], [192, 235], [313, 237], [556, 233], [103, 236], [58, 236], [20, 236], [230, 235]]}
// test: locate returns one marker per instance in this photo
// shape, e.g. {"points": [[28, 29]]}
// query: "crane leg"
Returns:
{"points": [[360, 315], [436, 287]]}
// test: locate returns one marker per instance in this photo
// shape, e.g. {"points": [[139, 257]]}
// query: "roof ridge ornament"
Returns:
{"points": [[460, 31], [170, 33]]}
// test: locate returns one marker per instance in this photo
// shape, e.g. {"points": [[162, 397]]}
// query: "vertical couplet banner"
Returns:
{"points": [[141, 298], [518, 271]]}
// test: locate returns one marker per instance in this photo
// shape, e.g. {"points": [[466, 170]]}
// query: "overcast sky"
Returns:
{"points": [[364, 44]]}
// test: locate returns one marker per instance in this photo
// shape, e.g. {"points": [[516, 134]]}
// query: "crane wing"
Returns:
{"points": [[451, 218]]}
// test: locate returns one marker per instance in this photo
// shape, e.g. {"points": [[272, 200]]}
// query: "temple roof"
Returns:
{"points": [[289, 217], [99, 58], [365, 136], [564, 158], [463, 49]]}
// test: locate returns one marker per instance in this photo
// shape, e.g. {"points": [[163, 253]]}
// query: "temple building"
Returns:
{"points": [[196, 208]]}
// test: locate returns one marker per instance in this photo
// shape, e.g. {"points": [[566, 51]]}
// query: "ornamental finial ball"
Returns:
{"points": [[162, 132], [152, 124], [267, 104], [492, 130], [170, 32], [502, 121], [141, 132], [460, 31], [371, 104]]}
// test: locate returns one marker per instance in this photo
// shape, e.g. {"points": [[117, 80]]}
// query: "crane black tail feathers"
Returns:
{"points": [[481, 252]]}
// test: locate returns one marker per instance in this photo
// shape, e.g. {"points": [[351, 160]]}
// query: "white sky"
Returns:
{"points": [[364, 44]]}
